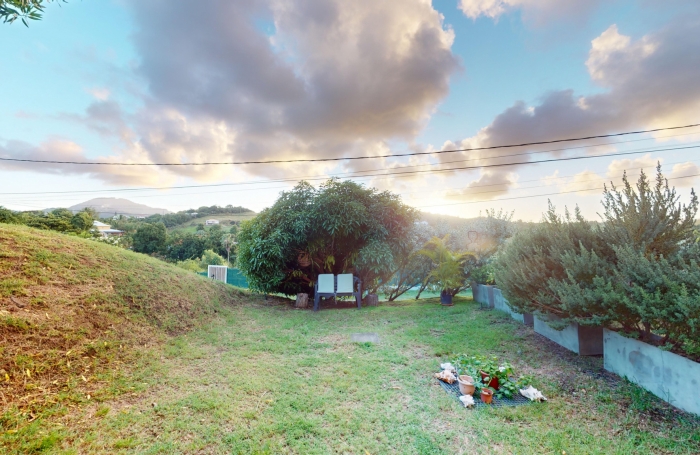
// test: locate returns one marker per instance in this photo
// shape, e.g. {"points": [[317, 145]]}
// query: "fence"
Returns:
{"points": [[234, 277]]}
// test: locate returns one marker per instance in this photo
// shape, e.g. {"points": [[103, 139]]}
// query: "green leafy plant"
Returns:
{"points": [[448, 266], [492, 368]]}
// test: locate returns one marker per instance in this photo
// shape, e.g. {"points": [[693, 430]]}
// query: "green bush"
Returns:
{"points": [[638, 271], [483, 275], [211, 258]]}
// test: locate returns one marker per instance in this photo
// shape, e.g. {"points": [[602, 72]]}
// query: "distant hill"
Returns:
{"points": [[109, 206]]}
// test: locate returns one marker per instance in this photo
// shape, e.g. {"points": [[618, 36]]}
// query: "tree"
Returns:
{"points": [[11, 10], [8, 216], [341, 227], [150, 238], [209, 257], [448, 267]]}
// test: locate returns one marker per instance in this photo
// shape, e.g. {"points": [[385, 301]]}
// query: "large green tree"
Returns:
{"points": [[340, 227], [150, 238]]}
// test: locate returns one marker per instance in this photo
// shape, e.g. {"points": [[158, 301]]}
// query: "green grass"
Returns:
{"points": [[265, 378], [84, 328]]}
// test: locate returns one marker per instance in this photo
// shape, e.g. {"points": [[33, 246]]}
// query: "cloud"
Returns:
{"points": [[240, 80], [100, 93], [297, 78], [650, 82], [489, 185], [64, 150], [684, 174], [534, 11]]}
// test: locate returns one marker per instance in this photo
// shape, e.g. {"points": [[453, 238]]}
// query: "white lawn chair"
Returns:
{"points": [[342, 285]]}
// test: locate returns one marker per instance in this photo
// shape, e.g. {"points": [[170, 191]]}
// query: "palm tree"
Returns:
{"points": [[448, 267]]}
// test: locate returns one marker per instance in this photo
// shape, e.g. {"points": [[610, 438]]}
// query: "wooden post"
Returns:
{"points": [[371, 300], [302, 301]]}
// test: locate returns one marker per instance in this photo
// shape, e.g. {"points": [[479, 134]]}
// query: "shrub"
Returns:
{"points": [[638, 271], [211, 258]]}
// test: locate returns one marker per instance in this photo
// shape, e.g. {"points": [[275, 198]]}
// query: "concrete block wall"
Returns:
{"points": [[669, 376]]}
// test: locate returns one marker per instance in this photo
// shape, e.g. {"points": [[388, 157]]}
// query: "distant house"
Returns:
{"points": [[211, 222], [106, 230]]}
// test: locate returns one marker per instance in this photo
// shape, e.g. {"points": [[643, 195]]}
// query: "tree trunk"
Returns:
{"points": [[371, 300], [302, 301]]}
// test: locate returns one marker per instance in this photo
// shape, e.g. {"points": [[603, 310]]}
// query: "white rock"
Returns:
{"points": [[532, 394], [467, 400]]}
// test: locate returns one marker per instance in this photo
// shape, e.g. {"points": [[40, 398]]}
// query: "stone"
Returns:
{"points": [[369, 337]]}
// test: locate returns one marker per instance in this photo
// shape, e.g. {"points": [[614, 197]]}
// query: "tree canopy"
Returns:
{"points": [[11, 10], [340, 227]]}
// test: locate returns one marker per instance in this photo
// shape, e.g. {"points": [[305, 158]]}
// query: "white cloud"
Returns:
{"points": [[535, 11], [684, 174]]}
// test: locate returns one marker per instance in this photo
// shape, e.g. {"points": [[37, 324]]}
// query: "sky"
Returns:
{"points": [[157, 81]]}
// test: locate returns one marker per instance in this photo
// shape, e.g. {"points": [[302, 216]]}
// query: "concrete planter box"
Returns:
{"points": [[483, 294], [669, 376], [501, 304], [528, 319], [475, 291], [583, 340]]}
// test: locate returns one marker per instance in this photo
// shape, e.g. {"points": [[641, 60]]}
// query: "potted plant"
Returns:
{"points": [[487, 394], [448, 268], [466, 384]]}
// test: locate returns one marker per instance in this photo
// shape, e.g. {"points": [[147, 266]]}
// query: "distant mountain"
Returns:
{"points": [[109, 206]]}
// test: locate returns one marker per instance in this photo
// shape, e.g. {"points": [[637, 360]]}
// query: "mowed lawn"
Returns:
{"points": [[266, 378]]}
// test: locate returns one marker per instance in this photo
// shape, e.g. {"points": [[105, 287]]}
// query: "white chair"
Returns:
{"points": [[341, 285]]}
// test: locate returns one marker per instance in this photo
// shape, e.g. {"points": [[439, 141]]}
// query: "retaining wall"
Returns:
{"points": [[583, 340], [500, 303], [669, 376]]}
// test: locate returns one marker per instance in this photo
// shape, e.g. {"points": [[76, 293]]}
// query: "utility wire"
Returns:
{"points": [[382, 174], [312, 160], [444, 190], [535, 195]]}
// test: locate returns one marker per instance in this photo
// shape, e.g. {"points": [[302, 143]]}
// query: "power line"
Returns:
{"points": [[30, 199], [536, 195], [312, 160], [383, 174]]}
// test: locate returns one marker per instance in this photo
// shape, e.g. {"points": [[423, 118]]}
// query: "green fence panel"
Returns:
{"points": [[234, 277]]}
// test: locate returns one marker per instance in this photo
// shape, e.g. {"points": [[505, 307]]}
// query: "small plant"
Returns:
{"points": [[494, 375]]}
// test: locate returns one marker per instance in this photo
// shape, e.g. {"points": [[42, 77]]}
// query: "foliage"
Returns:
{"points": [[448, 267], [11, 10], [637, 271], [483, 275], [340, 227], [150, 238], [476, 364], [8, 216], [209, 257], [190, 264]]}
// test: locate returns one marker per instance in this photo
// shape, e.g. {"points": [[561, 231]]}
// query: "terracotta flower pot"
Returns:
{"points": [[466, 385], [493, 383], [486, 396]]}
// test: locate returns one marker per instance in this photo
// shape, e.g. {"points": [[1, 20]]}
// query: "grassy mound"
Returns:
{"points": [[75, 315]]}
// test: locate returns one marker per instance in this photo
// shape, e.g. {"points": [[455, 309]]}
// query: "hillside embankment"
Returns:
{"points": [[77, 317]]}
